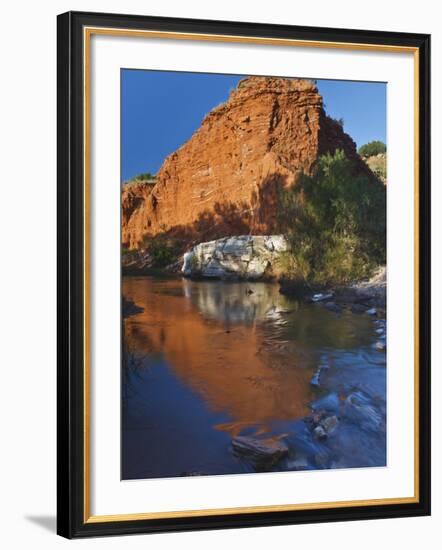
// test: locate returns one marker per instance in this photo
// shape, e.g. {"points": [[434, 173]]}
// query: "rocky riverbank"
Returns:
{"points": [[347, 419], [338, 432], [345, 426], [258, 257], [349, 411], [360, 297]]}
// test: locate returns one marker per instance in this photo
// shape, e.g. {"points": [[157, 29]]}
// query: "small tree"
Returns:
{"points": [[162, 250], [372, 148]]}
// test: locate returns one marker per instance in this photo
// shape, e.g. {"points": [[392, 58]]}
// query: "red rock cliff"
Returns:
{"points": [[224, 179]]}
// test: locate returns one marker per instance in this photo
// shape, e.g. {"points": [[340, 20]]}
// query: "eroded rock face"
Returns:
{"points": [[245, 257], [225, 179], [133, 199]]}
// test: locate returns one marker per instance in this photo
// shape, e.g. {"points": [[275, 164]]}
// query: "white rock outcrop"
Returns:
{"points": [[244, 257]]}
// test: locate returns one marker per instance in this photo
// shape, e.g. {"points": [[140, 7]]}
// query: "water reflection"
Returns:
{"points": [[218, 360]]}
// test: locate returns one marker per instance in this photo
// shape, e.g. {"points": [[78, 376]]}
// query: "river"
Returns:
{"points": [[208, 361]]}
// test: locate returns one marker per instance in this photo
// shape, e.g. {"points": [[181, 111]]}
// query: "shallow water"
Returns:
{"points": [[207, 361]]}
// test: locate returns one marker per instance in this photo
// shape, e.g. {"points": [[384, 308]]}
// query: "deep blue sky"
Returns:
{"points": [[161, 110]]}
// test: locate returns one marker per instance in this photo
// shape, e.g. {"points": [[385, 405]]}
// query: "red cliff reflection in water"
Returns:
{"points": [[216, 339], [215, 360]]}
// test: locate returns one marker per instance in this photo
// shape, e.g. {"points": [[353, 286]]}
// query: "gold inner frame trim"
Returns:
{"points": [[87, 34]]}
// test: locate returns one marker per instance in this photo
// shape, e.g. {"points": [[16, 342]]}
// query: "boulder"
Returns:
{"points": [[262, 454], [321, 424], [329, 424], [245, 257], [319, 432]]}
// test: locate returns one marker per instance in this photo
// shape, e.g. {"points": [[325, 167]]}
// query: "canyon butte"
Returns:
{"points": [[225, 179]]}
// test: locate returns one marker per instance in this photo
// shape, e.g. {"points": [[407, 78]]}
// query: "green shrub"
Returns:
{"points": [[162, 250], [335, 224], [372, 148]]}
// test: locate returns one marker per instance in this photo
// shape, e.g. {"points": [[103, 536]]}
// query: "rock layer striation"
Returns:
{"points": [[225, 179]]}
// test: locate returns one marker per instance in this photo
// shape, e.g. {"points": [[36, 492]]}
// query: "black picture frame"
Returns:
{"points": [[72, 520]]}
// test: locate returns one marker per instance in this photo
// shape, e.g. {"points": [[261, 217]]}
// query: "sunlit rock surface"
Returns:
{"points": [[226, 178], [245, 257]]}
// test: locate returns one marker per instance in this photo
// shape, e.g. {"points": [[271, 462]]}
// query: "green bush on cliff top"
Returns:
{"points": [[143, 176], [372, 148], [335, 224]]}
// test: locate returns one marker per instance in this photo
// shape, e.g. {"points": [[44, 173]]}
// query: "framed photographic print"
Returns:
{"points": [[243, 274]]}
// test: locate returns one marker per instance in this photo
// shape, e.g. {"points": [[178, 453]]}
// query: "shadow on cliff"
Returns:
{"points": [[259, 216], [268, 203]]}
